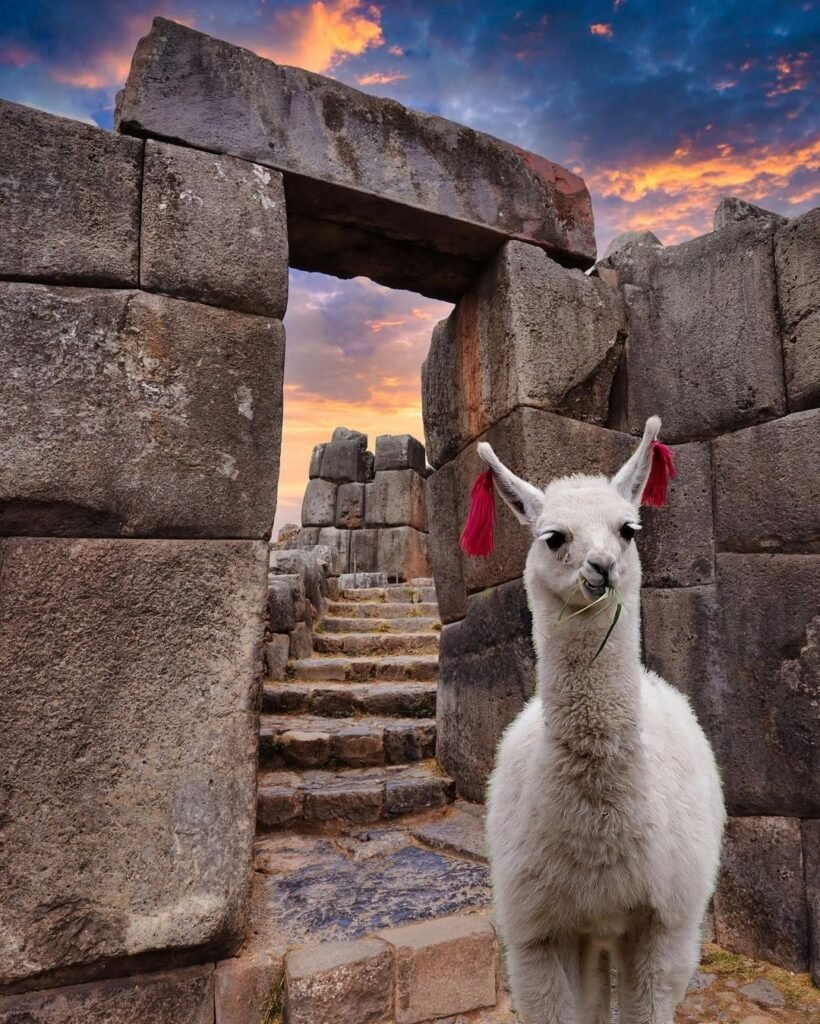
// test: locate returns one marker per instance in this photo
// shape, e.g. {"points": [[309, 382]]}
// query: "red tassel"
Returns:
{"points": [[663, 470], [477, 535]]}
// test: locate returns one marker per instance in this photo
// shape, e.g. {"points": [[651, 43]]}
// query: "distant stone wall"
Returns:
{"points": [[720, 336], [370, 510]]}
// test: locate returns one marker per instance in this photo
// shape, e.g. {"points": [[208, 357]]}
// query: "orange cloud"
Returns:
{"points": [[380, 78], [380, 325], [791, 75], [321, 34], [600, 29], [675, 197]]}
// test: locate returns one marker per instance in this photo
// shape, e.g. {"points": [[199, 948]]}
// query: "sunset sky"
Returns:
{"points": [[664, 108]]}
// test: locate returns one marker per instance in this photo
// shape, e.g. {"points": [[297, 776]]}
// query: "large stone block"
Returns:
{"points": [[760, 902], [340, 982], [811, 863], [319, 503], [704, 335], [528, 333], [281, 605], [338, 541], [70, 200], [767, 486], [345, 460], [486, 675], [402, 552], [130, 414], [350, 506], [247, 989], [214, 230], [129, 729], [677, 543], [735, 211], [400, 451], [184, 996], [446, 563], [443, 967], [395, 497], [797, 259], [748, 653], [364, 551], [357, 164]]}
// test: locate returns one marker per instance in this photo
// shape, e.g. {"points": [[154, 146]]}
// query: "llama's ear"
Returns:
{"points": [[652, 459], [525, 500]]}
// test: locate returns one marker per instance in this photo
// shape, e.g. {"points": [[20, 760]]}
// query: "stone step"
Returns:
{"points": [[342, 700], [381, 609], [396, 592], [308, 741], [361, 644], [361, 669], [350, 796], [410, 624]]}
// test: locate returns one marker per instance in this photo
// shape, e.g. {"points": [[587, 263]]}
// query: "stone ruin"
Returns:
{"points": [[143, 279], [369, 509]]}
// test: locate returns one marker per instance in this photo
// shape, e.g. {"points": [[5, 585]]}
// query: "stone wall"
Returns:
{"points": [[719, 336], [370, 509], [142, 287]]}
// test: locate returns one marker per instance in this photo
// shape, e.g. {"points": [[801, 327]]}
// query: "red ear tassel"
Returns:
{"points": [[663, 470], [477, 535]]}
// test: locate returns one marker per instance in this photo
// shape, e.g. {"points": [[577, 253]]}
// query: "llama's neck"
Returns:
{"points": [[591, 707]]}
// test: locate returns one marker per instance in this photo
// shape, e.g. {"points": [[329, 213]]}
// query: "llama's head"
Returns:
{"points": [[583, 526]]}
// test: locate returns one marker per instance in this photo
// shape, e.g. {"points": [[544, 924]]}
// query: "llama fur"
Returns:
{"points": [[605, 811]]}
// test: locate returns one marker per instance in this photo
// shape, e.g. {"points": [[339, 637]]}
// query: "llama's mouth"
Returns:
{"points": [[592, 591]]}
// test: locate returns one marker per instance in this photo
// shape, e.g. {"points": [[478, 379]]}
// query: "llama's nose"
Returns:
{"points": [[604, 566]]}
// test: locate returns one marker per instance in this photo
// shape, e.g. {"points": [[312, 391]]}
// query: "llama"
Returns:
{"points": [[605, 811]]}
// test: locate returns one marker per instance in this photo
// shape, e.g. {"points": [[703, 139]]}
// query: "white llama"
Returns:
{"points": [[605, 810]]}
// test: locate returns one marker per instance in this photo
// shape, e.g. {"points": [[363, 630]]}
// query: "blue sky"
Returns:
{"points": [[663, 108]]}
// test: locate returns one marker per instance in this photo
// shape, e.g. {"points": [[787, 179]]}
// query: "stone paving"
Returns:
{"points": [[359, 840]]}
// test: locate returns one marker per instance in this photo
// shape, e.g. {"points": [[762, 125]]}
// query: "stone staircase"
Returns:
{"points": [[349, 737], [371, 890]]}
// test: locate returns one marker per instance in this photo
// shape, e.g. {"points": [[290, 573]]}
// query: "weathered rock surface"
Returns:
{"points": [[704, 335], [443, 967], [319, 504], [767, 486], [486, 674], [760, 903], [400, 451], [350, 506], [395, 497], [130, 746], [344, 459], [214, 230], [506, 345], [117, 425], [281, 605], [811, 862], [443, 498], [797, 259], [358, 162], [246, 987], [627, 256], [338, 982], [184, 996], [737, 211], [677, 544], [747, 653], [70, 200], [402, 552]]}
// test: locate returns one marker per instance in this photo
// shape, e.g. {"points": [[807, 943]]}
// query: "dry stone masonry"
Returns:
{"points": [[717, 336], [143, 281], [370, 509]]}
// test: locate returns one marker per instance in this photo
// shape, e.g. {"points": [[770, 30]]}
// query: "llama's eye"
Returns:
{"points": [[555, 539], [628, 530]]}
